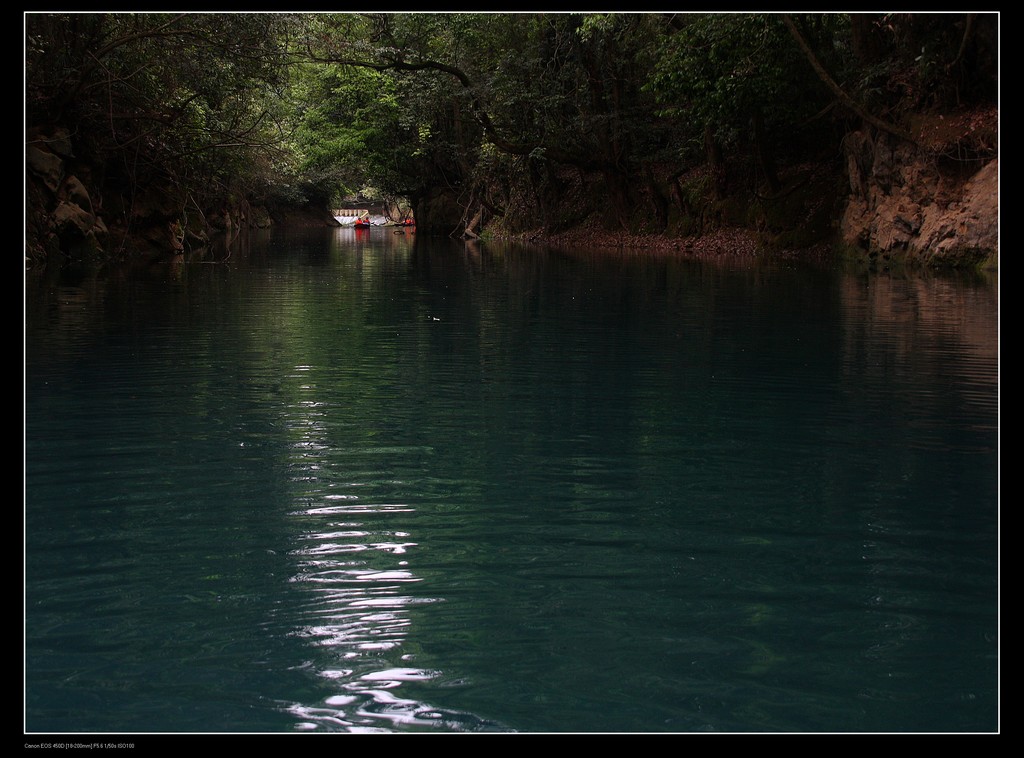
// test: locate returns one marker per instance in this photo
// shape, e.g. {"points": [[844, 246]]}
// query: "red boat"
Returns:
{"points": [[362, 223]]}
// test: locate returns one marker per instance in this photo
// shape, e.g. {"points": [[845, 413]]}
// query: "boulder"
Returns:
{"points": [[45, 165]]}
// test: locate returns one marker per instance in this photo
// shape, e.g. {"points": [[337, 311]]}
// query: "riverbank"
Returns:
{"points": [[730, 242]]}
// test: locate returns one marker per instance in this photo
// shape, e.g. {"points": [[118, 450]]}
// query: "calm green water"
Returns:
{"points": [[354, 484]]}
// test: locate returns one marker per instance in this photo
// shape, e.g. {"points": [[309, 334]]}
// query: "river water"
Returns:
{"points": [[358, 482]]}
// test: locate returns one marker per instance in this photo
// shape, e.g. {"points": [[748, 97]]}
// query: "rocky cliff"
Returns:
{"points": [[914, 203], [72, 213]]}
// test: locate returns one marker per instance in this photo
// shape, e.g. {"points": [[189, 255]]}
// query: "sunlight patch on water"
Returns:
{"points": [[354, 608], [362, 507], [370, 706]]}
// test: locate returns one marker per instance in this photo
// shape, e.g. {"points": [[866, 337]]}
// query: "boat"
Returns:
{"points": [[362, 223]]}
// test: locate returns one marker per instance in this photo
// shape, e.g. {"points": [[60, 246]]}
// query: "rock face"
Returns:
{"points": [[71, 215], [65, 213], [61, 211], [438, 212], [907, 203]]}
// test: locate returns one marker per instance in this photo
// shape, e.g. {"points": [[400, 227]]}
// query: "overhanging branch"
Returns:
{"points": [[838, 91], [479, 111]]}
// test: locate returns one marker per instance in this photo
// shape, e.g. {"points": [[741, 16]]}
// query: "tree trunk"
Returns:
{"points": [[764, 155], [658, 198], [471, 228], [716, 163], [865, 42]]}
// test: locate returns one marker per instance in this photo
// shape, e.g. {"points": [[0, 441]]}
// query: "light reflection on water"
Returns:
{"points": [[349, 609], [357, 613], [352, 576]]}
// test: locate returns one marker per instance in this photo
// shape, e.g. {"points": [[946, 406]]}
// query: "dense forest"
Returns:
{"points": [[152, 134]]}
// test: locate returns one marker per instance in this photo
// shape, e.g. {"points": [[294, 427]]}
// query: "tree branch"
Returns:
{"points": [[829, 82], [396, 63]]}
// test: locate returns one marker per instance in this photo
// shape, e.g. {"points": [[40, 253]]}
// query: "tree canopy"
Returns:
{"points": [[519, 118]]}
